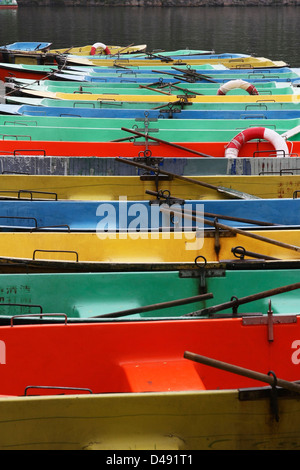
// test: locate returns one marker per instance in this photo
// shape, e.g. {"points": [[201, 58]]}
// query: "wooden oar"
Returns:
{"points": [[291, 386], [192, 73], [163, 58], [121, 50], [182, 78], [235, 230], [186, 74], [155, 89], [185, 90], [148, 308], [180, 147], [233, 193], [236, 219], [244, 300], [175, 200], [172, 85]]}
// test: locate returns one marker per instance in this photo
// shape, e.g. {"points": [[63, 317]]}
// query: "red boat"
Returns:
{"points": [[32, 72], [8, 5], [133, 150], [145, 356]]}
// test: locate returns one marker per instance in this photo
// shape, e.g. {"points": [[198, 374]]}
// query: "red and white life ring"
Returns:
{"points": [[102, 46], [237, 84], [233, 148]]}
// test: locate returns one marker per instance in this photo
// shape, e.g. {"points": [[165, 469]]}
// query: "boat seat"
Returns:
{"points": [[160, 376]]}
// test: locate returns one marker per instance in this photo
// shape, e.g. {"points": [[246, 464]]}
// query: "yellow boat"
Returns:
{"points": [[163, 98], [135, 187], [196, 420], [85, 50], [152, 247], [233, 63]]}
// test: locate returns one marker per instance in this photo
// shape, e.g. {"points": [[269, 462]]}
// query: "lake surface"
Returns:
{"points": [[271, 32]]}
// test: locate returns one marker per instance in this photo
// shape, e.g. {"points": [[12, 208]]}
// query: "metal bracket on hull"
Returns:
{"points": [[270, 320], [240, 252], [164, 197]]}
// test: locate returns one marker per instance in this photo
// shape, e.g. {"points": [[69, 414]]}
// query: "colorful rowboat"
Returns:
{"points": [[206, 68], [231, 63], [110, 129], [267, 186], [164, 78], [167, 150], [61, 129], [124, 215], [109, 188], [263, 88], [200, 73], [153, 247], [148, 295], [168, 113], [99, 50], [8, 5], [260, 105], [151, 394], [166, 56], [191, 167], [160, 98], [26, 46], [109, 143], [36, 72]]}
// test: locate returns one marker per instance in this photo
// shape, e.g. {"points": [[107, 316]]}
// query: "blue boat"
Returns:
{"points": [[110, 216], [135, 78], [168, 113], [27, 46]]}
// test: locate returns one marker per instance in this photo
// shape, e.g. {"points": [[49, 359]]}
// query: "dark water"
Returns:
{"points": [[272, 32]]}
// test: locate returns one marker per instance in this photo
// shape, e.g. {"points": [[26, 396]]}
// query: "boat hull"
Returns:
{"points": [[151, 247], [216, 420], [146, 394], [126, 294], [124, 215], [77, 187], [164, 149]]}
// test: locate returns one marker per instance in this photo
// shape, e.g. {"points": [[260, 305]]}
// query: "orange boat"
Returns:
{"points": [[144, 356], [135, 149], [138, 384]]}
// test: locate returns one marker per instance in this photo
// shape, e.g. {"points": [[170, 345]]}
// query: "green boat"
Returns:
{"points": [[153, 294], [268, 88], [152, 124], [89, 129]]}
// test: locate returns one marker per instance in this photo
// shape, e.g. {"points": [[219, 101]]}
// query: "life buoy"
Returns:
{"points": [[233, 148], [102, 46], [237, 84]]}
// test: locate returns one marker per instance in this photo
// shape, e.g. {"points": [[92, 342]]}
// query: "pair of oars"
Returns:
{"points": [[161, 141], [169, 93], [232, 193], [199, 298], [160, 194], [186, 75], [234, 230], [236, 302]]}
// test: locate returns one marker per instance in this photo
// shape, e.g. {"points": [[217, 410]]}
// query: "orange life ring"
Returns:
{"points": [[233, 148], [237, 84], [102, 46]]}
